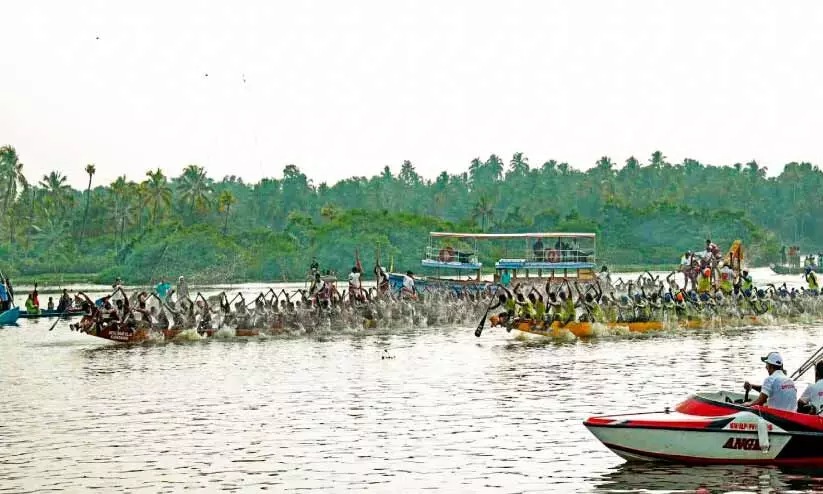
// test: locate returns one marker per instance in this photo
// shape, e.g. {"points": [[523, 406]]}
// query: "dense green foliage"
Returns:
{"points": [[230, 230]]}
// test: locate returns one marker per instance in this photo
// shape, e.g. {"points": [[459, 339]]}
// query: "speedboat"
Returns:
{"points": [[714, 428]]}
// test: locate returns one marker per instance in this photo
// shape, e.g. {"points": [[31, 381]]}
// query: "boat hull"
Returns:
{"points": [[716, 429], [792, 269], [9, 316]]}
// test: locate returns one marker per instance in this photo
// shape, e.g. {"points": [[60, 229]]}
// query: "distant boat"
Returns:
{"points": [[10, 316], [782, 269]]}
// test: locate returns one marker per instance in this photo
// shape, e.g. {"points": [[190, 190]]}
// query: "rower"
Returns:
{"points": [[704, 281], [811, 279], [409, 289], [811, 401], [746, 281], [65, 301], [778, 390]]}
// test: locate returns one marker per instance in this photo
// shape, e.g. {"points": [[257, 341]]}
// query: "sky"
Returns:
{"points": [[344, 88]]}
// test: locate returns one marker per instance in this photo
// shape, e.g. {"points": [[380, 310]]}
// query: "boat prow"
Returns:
{"points": [[714, 428], [10, 316]]}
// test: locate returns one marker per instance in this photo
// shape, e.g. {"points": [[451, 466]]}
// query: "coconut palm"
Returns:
{"points": [[483, 210], [224, 204], [12, 171], [90, 169], [194, 188], [157, 193], [57, 192]]}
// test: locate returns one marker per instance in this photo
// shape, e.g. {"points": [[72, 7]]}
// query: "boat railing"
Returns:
{"points": [[552, 255], [450, 255]]}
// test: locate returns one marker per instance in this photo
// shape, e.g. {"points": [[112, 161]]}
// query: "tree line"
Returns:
{"points": [[645, 213]]}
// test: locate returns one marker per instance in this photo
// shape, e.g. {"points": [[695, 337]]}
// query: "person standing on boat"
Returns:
{"points": [[505, 278], [811, 279], [355, 286], [162, 289], [409, 289], [777, 391], [182, 289], [538, 249], [5, 303], [382, 279], [65, 301]]}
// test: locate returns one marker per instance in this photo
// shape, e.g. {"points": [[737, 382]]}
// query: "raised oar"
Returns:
{"points": [[479, 330]]}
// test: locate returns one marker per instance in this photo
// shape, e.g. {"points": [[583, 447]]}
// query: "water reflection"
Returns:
{"points": [[664, 477]]}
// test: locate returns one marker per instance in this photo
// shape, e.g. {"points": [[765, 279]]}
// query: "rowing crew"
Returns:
{"points": [[569, 302]]}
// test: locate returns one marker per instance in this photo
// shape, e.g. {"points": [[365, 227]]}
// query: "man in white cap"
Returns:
{"points": [[778, 390]]}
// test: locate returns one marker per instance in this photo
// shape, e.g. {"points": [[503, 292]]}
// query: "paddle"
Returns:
{"points": [[65, 311], [479, 330]]}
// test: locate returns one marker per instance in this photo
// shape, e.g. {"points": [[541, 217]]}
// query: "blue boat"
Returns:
{"points": [[10, 316]]}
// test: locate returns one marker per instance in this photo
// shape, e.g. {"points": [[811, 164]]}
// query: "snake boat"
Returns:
{"points": [[714, 428], [582, 329]]}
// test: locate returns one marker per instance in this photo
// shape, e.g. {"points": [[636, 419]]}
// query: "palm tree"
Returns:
{"points": [[157, 192], [484, 210], [12, 170], [224, 203], [194, 187], [90, 169], [57, 191]]}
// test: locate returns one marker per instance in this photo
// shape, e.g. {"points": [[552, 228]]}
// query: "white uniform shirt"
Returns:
{"points": [[354, 280], [814, 395], [781, 392], [408, 283]]}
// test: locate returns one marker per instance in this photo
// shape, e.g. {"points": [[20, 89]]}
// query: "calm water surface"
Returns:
{"points": [[329, 412]]}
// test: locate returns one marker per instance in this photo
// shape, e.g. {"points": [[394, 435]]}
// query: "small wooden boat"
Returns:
{"points": [[785, 269], [9, 316], [51, 313]]}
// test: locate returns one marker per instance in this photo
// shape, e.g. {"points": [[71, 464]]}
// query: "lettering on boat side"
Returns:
{"points": [[745, 426], [119, 335], [742, 443]]}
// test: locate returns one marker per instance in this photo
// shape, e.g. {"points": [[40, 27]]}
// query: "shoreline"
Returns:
{"points": [[56, 281]]}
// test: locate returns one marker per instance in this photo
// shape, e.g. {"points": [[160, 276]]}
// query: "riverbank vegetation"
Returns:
{"points": [[229, 230]]}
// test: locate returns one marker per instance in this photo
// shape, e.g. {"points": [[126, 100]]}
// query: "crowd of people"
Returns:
{"points": [[650, 298]]}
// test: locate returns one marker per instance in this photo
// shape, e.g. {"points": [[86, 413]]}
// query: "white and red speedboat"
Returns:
{"points": [[713, 428]]}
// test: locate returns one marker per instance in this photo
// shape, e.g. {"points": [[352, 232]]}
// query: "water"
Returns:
{"points": [[329, 412]]}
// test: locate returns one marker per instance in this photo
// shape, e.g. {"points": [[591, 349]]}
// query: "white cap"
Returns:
{"points": [[773, 358]]}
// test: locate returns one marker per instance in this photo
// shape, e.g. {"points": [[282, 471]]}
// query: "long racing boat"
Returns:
{"points": [[582, 329]]}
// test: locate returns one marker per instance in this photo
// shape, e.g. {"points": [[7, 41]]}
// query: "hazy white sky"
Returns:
{"points": [[342, 88]]}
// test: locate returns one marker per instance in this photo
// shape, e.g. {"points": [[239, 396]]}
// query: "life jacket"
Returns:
{"points": [[812, 280], [597, 313], [540, 310], [567, 309], [527, 310], [746, 284], [704, 284]]}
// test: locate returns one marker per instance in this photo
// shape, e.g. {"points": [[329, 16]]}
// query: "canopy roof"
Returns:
{"points": [[503, 236]]}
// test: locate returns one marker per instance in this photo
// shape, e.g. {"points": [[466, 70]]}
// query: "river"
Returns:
{"points": [[409, 410]]}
